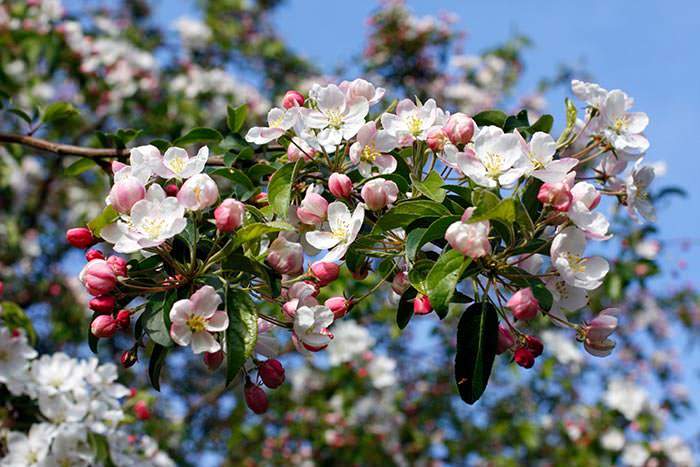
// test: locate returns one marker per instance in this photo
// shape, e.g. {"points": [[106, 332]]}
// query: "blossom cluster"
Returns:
{"points": [[78, 401], [505, 224]]}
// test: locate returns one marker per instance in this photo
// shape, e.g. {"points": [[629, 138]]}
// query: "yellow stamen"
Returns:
{"points": [[196, 323]]}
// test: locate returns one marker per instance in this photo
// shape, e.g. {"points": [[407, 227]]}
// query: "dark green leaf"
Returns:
{"points": [[544, 124], [436, 231], [404, 213], [490, 117], [443, 278], [405, 311], [100, 446], [156, 317], [79, 166], [542, 294], [199, 135], [155, 365], [21, 114], [279, 191], [242, 332], [477, 338]]}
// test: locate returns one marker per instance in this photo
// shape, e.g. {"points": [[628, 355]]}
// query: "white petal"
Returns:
{"points": [[322, 240]]}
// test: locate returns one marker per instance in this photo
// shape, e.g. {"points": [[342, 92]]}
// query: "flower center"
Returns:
{"points": [[369, 154], [537, 164], [196, 323], [493, 163], [335, 119], [620, 124], [415, 125], [276, 123], [341, 230], [576, 263], [153, 227], [177, 165]]}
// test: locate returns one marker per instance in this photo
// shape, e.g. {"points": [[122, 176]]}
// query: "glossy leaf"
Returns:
{"points": [[242, 332], [108, 216], [443, 278], [155, 365], [490, 117], [477, 338], [235, 118], [279, 191], [430, 186], [404, 213], [199, 135], [404, 312]]}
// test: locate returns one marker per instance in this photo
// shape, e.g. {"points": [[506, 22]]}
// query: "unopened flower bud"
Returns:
{"points": [[171, 189], [339, 306], [325, 272], [313, 209], [436, 139], [260, 200], [141, 410], [229, 215], [599, 348], [271, 373], [505, 339], [524, 357], [129, 358], [587, 194], [340, 185], [535, 345], [80, 237], [469, 239], [94, 254], [98, 277], [213, 360], [285, 257], [125, 193], [523, 304], [400, 283], [118, 265], [557, 195], [198, 192], [602, 325], [292, 99], [255, 398], [103, 304], [421, 305], [459, 128], [379, 193], [103, 326], [123, 319]]}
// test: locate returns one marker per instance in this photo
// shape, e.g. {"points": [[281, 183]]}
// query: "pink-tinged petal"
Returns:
{"points": [[180, 333], [331, 98], [385, 142], [393, 124], [180, 310], [204, 342], [263, 135], [386, 164], [356, 151], [406, 106], [218, 322], [315, 119], [205, 301], [365, 134], [637, 122]]}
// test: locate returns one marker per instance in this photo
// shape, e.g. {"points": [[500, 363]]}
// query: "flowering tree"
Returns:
{"points": [[247, 242]]}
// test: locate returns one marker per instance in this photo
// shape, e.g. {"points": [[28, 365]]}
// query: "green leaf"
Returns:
{"points": [[279, 191], [199, 135], [108, 216], [81, 165], [404, 213], [242, 331], [21, 114], [431, 186], [156, 317], [235, 118], [155, 365], [519, 121], [571, 113], [256, 230], [243, 185], [443, 278], [14, 317], [490, 117], [418, 274], [271, 279], [462, 191], [544, 124], [58, 111], [435, 231], [477, 338], [161, 144], [542, 294], [504, 211], [100, 446], [404, 313]]}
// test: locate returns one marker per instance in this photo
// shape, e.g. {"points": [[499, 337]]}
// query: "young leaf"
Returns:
{"points": [[108, 216], [443, 278], [256, 230], [235, 118], [81, 165], [279, 191], [242, 332], [504, 211], [199, 135], [477, 337], [431, 186], [571, 113], [155, 365], [58, 111]]}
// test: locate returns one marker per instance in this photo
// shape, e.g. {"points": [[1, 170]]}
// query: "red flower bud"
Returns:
{"points": [[213, 360], [94, 254], [339, 306], [292, 99], [171, 189], [505, 339], [103, 304], [118, 265], [123, 319], [129, 358], [103, 326], [80, 237], [141, 410], [524, 358], [523, 304], [325, 272], [400, 284], [535, 345], [255, 398], [272, 373], [260, 200], [421, 305]]}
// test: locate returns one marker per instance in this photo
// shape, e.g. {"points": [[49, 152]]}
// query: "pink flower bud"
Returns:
{"points": [[129, 358], [141, 410], [587, 194], [117, 166], [599, 348], [400, 284], [379, 193], [300, 149], [505, 339], [103, 326], [524, 358], [325, 272], [421, 305], [198, 192], [557, 195], [285, 257], [436, 139], [459, 128], [123, 319], [470, 239], [523, 304], [229, 215], [272, 373], [338, 305], [213, 360], [94, 254], [118, 265], [125, 193], [103, 304], [80, 237], [602, 325], [534, 345], [171, 189], [255, 398], [340, 185], [292, 98], [313, 209], [98, 277]]}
